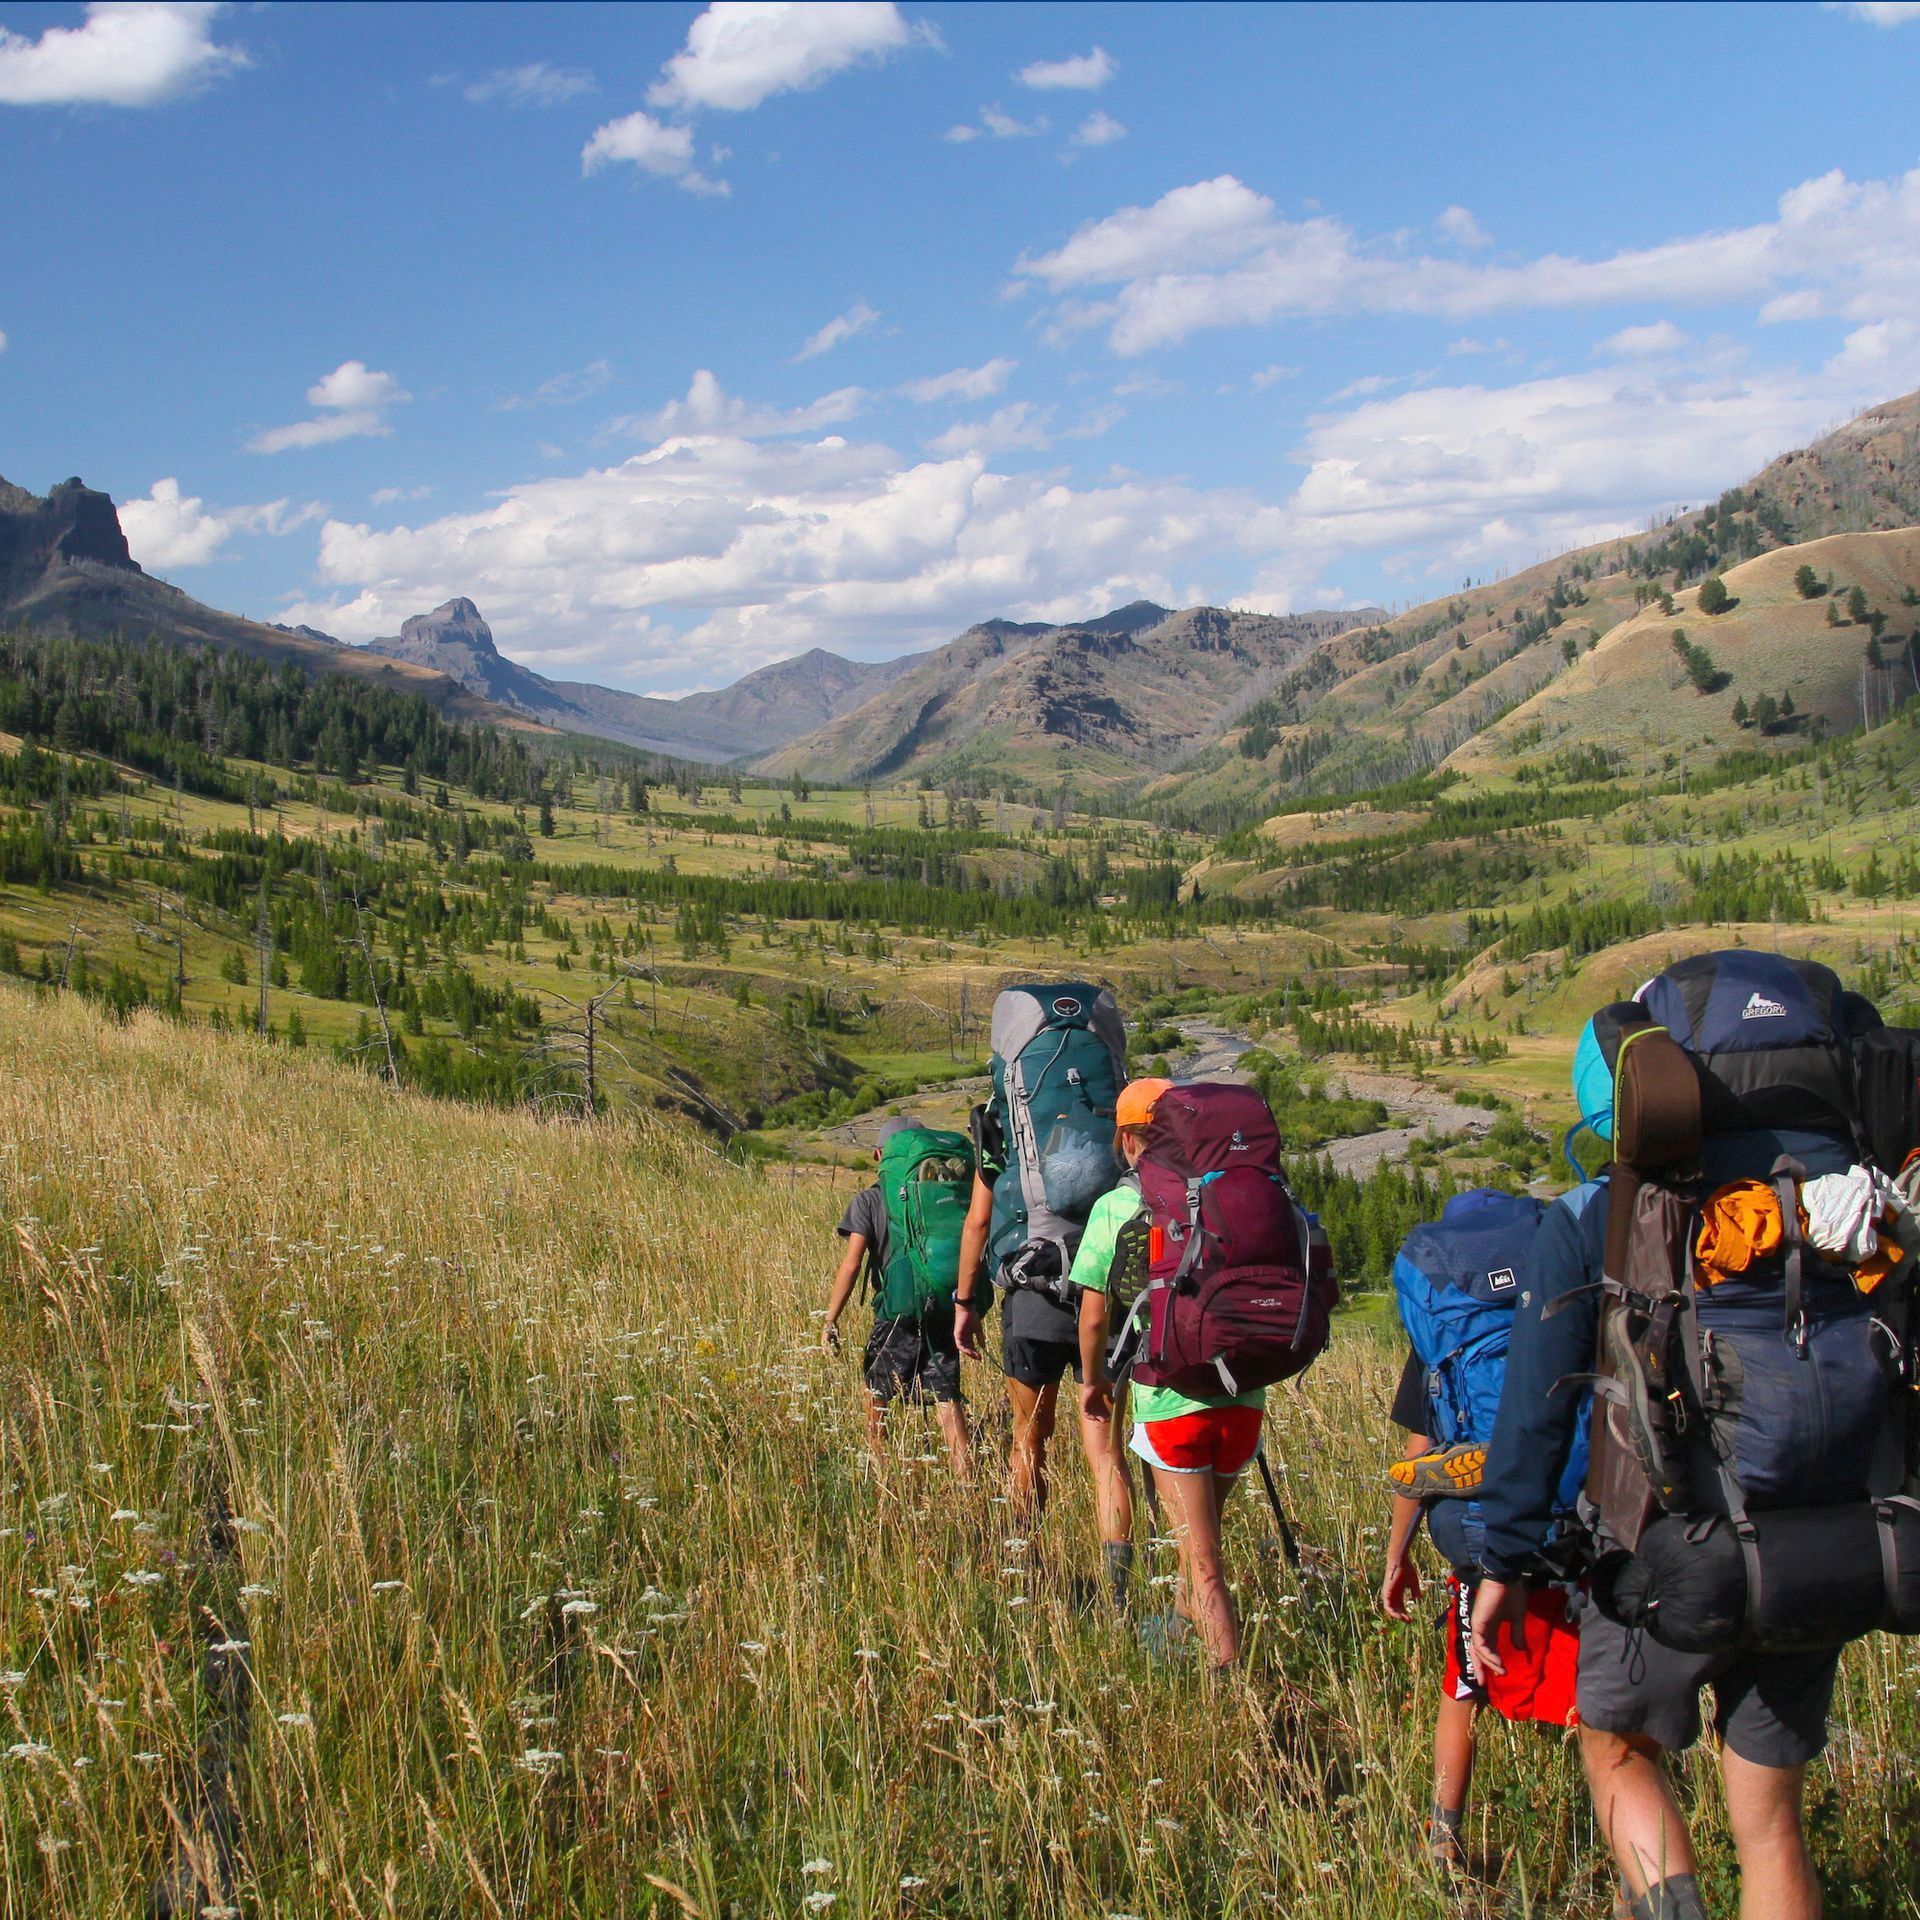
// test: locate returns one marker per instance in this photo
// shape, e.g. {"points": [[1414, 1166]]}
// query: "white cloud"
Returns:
{"points": [[1216, 254], [1463, 229], [653, 147], [534, 85], [3, 342], [1019, 425], [1086, 71], [354, 401], [741, 52], [1098, 129], [127, 54], [1269, 376], [386, 496], [1368, 383], [764, 550], [963, 132], [1662, 336], [1878, 13], [858, 318], [563, 390], [169, 529], [709, 409], [963, 383]]}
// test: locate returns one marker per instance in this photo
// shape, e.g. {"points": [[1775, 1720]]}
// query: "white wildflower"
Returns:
{"points": [[143, 1577], [581, 1606], [819, 1900], [814, 1868], [295, 1719]]}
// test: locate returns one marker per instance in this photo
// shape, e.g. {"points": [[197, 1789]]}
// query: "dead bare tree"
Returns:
{"points": [[373, 986]]}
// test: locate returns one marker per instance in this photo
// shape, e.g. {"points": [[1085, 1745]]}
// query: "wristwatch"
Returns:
{"points": [[963, 1306]]}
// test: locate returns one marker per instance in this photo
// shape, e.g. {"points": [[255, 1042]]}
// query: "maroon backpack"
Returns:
{"points": [[1240, 1287]]}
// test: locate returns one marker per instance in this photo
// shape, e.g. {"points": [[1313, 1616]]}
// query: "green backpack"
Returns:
{"points": [[926, 1181]]}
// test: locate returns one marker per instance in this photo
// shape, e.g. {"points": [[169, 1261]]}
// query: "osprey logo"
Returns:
{"points": [[1759, 1007], [1501, 1279], [1065, 1007]]}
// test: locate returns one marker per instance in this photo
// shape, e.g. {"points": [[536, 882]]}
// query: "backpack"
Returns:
{"points": [[1886, 1073], [1457, 1281], [1725, 1416], [1059, 1061], [926, 1182], [1240, 1288]]}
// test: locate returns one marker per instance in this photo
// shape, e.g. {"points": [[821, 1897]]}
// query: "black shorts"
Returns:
{"points": [[1769, 1708], [913, 1359], [1038, 1362]]}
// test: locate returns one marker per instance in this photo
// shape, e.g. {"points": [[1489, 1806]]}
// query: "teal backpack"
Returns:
{"points": [[1059, 1061], [926, 1181]]}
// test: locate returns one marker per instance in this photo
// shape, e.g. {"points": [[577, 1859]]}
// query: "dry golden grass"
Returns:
{"points": [[558, 1579]]}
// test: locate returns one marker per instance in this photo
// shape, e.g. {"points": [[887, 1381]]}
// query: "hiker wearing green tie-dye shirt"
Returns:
{"points": [[1195, 1449]]}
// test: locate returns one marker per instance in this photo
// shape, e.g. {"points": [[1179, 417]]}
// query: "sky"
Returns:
{"points": [[683, 340]]}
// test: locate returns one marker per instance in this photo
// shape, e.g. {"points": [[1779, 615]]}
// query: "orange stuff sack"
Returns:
{"points": [[1739, 1224]]}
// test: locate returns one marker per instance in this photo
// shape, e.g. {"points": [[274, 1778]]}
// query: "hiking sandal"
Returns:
{"points": [[1447, 1470]]}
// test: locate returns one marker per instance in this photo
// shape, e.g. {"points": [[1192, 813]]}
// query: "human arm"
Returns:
{"points": [[1400, 1589], [1498, 1603], [973, 1260], [1554, 1329], [842, 1290], [1096, 1390]]}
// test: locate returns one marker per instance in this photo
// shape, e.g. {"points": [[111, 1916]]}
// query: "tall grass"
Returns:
{"points": [[413, 1511]]}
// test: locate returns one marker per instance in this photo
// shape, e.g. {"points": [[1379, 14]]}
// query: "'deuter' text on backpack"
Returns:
{"points": [[1240, 1287], [1753, 1440], [926, 1180], [1059, 1060], [1457, 1281]]}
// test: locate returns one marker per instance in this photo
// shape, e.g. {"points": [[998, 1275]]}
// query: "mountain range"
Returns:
{"points": [[1201, 708]]}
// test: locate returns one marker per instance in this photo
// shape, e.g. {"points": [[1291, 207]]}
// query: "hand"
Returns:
{"points": [[1096, 1401], [830, 1338], [966, 1328], [1498, 1602], [1400, 1590]]}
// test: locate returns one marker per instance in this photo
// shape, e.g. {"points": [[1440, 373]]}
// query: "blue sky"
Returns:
{"points": [[684, 339]]}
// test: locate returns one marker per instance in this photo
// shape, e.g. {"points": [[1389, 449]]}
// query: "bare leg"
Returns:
{"points": [[1636, 1808], [1777, 1881], [953, 1429], [1454, 1729], [1193, 1502], [877, 1426], [1033, 1416], [1112, 1490]]}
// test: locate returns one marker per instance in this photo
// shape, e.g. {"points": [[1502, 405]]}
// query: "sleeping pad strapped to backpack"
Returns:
{"points": [[1457, 1280], [1753, 1445], [1240, 1287], [1059, 1061], [926, 1181]]}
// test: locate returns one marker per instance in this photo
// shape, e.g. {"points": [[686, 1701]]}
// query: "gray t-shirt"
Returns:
{"points": [[866, 1215]]}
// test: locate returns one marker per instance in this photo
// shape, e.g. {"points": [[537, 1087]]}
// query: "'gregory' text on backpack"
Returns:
{"points": [[1059, 1055], [1457, 1280], [926, 1180], [1752, 1439], [1240, 1287]]}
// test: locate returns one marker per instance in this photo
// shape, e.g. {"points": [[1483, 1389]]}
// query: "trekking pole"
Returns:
{"points": [[1288, 1544]]}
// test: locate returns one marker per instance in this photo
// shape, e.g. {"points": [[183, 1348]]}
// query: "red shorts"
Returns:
{"points": [[1539, 1681], [1217, 1440]]}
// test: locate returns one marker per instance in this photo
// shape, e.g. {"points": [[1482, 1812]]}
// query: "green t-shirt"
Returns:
{"points": [[1112, 1260]]}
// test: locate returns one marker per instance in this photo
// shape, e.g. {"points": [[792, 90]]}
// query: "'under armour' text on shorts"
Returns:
{"points": [[1769, 1708]]}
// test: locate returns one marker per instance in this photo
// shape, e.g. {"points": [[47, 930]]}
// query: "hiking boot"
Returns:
{"points": [[1447, 1470], [1162, 1633]]}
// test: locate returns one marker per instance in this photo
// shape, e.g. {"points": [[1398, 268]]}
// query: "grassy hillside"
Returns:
{"points": [[1632, 693], [517, 1553]]}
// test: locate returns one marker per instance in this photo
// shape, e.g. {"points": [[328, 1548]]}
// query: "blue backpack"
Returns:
{"points": [[1458, 1280]]}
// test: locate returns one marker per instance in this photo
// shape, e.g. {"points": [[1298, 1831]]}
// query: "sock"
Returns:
{"points": [[1119, 1569], [1674, 1899], [1445, 1821]]}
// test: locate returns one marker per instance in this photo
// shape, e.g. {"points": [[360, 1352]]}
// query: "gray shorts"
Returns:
{"points": [[1769, 1708]]}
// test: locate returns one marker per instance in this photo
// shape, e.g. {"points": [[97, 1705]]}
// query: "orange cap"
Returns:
{"points": [[1136, 1102]]}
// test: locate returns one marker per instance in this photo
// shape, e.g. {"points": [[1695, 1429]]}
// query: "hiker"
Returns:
{"points": [[907, 1264], [1200, 1336], [1728, 1069], [1457, 1280], [1043, 1156]]}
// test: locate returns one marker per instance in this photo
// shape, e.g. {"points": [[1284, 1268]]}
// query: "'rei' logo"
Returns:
{"points": [[1501, 1279], [1759, 1007]]}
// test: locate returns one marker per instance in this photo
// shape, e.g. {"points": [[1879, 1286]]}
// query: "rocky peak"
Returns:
{"points": [[73, 523], [456, 620]]}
